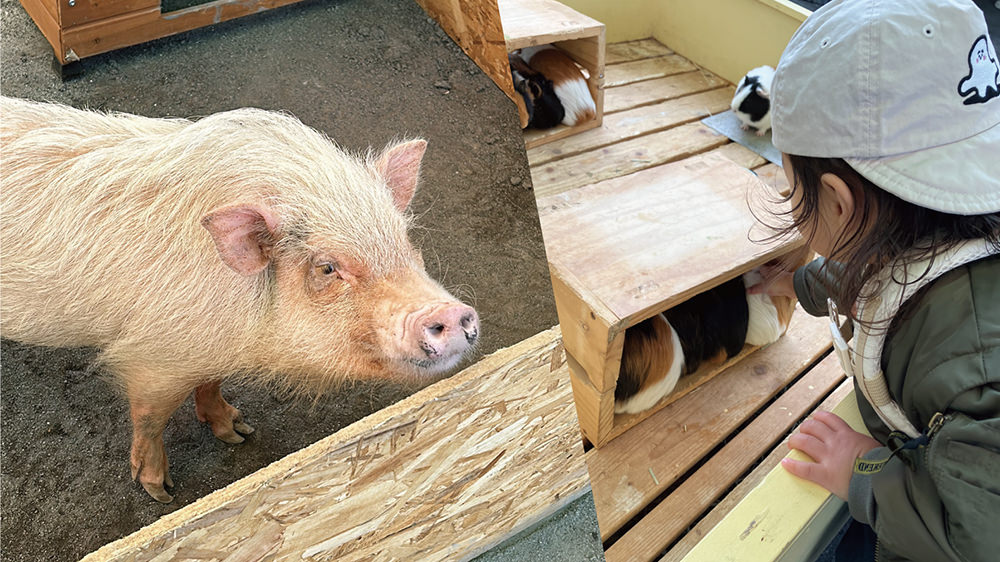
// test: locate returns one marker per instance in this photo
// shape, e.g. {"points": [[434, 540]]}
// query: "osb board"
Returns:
{"points": [[631, 471], [747, 483], [644, 242], [627, 125], [635, 50], [670, 518], [478, 30], [441, 475], [659, 89], [760, 528], [528, 23]]}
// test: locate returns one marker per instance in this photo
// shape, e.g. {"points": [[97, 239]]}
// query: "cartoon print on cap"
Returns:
{"points": [[984, 73]]}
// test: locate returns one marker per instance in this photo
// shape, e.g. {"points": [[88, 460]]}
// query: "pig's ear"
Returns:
{"points": [[244, 236], [400, 166]]}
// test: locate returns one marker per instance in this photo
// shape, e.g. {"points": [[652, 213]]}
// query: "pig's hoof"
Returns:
{"points": [[230, 437], [158, 493], [241, 427]]}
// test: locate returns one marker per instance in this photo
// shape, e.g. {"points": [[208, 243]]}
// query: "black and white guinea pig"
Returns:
{"points": [[544, 108], [752, 101], [568, 79], [709, 328]]}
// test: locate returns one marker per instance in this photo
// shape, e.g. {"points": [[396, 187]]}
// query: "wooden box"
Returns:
{"points": [[529, 23], [625, 249]]}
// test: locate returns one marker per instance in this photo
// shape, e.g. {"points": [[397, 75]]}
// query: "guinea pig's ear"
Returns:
{"points": [[244, 235], [399, 164], [763, 92]]}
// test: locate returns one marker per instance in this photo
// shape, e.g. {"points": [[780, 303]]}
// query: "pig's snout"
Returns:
{"points": [[444, 334]]}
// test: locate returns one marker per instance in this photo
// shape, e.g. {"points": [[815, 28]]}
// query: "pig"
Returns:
{"points": [[241, 245]]}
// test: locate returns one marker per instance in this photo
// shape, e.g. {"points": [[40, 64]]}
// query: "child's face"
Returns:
{"points": [[833, 214]]}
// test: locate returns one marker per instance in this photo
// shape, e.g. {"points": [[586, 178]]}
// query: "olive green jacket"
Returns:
{"points": [[940, 501]]}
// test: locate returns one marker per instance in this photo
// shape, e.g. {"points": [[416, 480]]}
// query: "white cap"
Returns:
{"points": [[908, 93]]}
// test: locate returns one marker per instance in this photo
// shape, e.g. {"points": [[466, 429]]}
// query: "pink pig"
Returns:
{"points": [[245, 244]]}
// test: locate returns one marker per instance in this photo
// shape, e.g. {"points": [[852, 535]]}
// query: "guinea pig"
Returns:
{"points": [[752, 101], [568, 79], [709, 328], [544, 108]]}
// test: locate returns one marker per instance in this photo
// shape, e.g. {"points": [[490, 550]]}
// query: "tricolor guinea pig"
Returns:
{"points": [[752, 101], [569, 82], [709, 328], [544, 108]]}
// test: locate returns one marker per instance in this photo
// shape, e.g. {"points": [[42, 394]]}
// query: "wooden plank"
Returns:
{"points": [[647, 69], [83, 11], [629, 472], [534, 137], [741, 155], [669, 519], [145, 25], [748, 483], [624, 158], [476, 28], [528, 23], [759, 528], [636, 50], [444, 474], [643, 242], [634, 123], [660, 89], [774, 177]]}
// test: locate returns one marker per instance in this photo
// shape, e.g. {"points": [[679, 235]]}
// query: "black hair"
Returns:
{"points": [[896, 228]]}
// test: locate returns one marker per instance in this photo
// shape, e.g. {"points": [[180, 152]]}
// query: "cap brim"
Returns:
{"points": [[961, 178]]}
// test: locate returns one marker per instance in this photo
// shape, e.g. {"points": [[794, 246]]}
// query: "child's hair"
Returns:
{"points": [[897, 227]]}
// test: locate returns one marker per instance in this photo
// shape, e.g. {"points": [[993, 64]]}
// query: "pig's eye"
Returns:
{"points": [[328, 269]]}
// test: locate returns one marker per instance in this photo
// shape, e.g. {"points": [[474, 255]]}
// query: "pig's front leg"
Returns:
{"points": [[149, 457], [227, 422]]}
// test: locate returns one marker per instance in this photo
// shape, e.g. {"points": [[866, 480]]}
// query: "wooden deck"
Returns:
{"points": [[664, 484]]}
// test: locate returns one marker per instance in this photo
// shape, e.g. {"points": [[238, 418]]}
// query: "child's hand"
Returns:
{"points": [[834, 446], [777, 282]]}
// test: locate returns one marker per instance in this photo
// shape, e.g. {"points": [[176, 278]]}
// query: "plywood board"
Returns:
{"points": [[632, 470], [442, 475], [636, 50], [644, 242], [668, 519], [760, 528], [529, 23], [627, 125], [660, 89], [747, 483]]}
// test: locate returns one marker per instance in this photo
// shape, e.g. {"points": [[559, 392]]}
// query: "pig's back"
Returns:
{"points": [[94, 240]]}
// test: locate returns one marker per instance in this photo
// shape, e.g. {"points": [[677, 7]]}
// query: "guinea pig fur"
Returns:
{"points": [[752, 101], [569, 81], [544, 108], [711, 327]]}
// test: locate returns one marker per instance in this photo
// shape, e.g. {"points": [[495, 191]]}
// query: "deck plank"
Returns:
{"points": [[624, 158], [659, 89], [634, 123], [668, 519], [646, 69], [691, 538], [674, 439], [635, 50]]}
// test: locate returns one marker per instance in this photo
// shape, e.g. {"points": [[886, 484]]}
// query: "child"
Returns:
{"points": [[888, 117]]}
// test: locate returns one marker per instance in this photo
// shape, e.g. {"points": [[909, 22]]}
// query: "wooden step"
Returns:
{"points": [[633, 123], [659, 89], [635, 50], [668, 519], [646, 69], [631, 471]]}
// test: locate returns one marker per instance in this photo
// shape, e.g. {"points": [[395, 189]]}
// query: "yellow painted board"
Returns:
{"points": [[782, 519]]}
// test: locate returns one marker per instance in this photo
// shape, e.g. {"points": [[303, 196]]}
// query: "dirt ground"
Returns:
{"points": [[364, 72]]}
